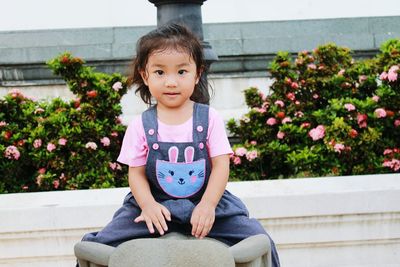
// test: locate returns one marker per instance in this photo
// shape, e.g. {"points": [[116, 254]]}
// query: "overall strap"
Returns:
{"points": [[200, 122], [150, 125]]}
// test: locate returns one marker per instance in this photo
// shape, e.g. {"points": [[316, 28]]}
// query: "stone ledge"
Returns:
{"points": [[313, 218]]}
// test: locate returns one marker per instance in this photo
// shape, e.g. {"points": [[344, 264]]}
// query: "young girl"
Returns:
{"points": [[177, 152]]}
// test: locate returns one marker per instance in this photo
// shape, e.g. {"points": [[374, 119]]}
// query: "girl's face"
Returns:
{"points": [[171, 76]]}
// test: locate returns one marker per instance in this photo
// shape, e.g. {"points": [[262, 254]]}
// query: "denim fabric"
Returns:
{"points": [[232, 223]]}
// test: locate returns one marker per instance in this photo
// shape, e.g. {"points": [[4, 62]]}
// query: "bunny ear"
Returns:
{"points": [[173, 154], [189, 154]]}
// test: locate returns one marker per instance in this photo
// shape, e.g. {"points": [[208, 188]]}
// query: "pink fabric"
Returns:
{"points": [[134, 146]]}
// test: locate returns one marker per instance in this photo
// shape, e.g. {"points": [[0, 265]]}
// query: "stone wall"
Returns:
{"points": [[348, 221]]}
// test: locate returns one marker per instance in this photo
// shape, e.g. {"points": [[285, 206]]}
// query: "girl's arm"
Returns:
{"points": [[153, 213], [203, 215]]}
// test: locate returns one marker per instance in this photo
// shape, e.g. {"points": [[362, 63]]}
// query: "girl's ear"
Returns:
{"points": [[144, 77], [199, 75]]}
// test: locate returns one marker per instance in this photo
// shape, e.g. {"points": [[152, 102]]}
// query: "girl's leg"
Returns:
{"points": [[122, 227]]}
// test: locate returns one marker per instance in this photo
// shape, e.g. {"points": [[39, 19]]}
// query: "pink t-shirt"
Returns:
{"points": [[134, 146]]}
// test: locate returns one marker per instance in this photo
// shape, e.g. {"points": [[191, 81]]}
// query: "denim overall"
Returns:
{"points": [[178, 175]]}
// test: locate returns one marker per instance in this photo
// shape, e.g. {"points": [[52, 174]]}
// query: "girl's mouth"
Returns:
{"points": [[171, 94]]}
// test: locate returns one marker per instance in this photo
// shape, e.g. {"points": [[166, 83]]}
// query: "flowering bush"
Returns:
{"points": [[326, 115], [64, 145]]}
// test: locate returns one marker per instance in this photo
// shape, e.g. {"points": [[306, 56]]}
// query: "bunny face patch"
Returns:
{"points": [[181, 179]]}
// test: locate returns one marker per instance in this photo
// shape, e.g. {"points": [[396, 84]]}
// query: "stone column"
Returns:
{"points": [[188, 13]]}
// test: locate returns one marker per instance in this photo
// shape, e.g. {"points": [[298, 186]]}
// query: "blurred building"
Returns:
{"points": [[244, 49]]}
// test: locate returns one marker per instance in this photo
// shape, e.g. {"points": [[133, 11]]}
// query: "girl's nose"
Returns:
{"points": [[170, 82]]}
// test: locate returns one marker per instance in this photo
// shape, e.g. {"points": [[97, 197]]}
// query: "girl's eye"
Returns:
{"points": [[182, 72], [171, 172], [191, 172], [159, 72]]}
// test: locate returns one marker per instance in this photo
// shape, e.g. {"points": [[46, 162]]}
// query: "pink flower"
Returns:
{"points": [[375, 98], [315, 96], [265, 105], [394, 164], [262, 95], [312, 66], [317, 133], [56, 184], [12, 152], [37, 143], [117, 86], [286, 120], [387, 151], [291, 96], [114, 166], [349, 107], [362, 120], [16, 93], [338, 147], [261, 110], [91, 145], [383, 76], [279, 103], [294, 85], [105, 141], [280, 135], [39, 111], [271, 121], [251, 155], [3, 123], [253, 143], [240, 151], [62, 177], [236, 160], [299, 61], [299, 114], [380, 113], [341, 72], [42, 170], [62, 141], [392, 75], [114, 134], [51, 147], [397, 123], [362, 78], [305, 125]]}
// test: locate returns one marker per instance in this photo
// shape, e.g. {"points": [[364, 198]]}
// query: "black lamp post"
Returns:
{"points": [[188, 13]]}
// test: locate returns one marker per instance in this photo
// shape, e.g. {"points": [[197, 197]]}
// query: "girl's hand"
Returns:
{"points": [[202, 219], [154, 214]]}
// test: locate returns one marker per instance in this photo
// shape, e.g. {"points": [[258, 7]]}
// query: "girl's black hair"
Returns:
{"points": [[165, 37]]}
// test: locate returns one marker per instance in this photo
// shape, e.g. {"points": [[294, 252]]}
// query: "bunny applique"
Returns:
{"points": [[181, 179]]}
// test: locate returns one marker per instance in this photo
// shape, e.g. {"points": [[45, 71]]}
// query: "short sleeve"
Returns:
{"points": [[134, 147], [217, 140]]}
